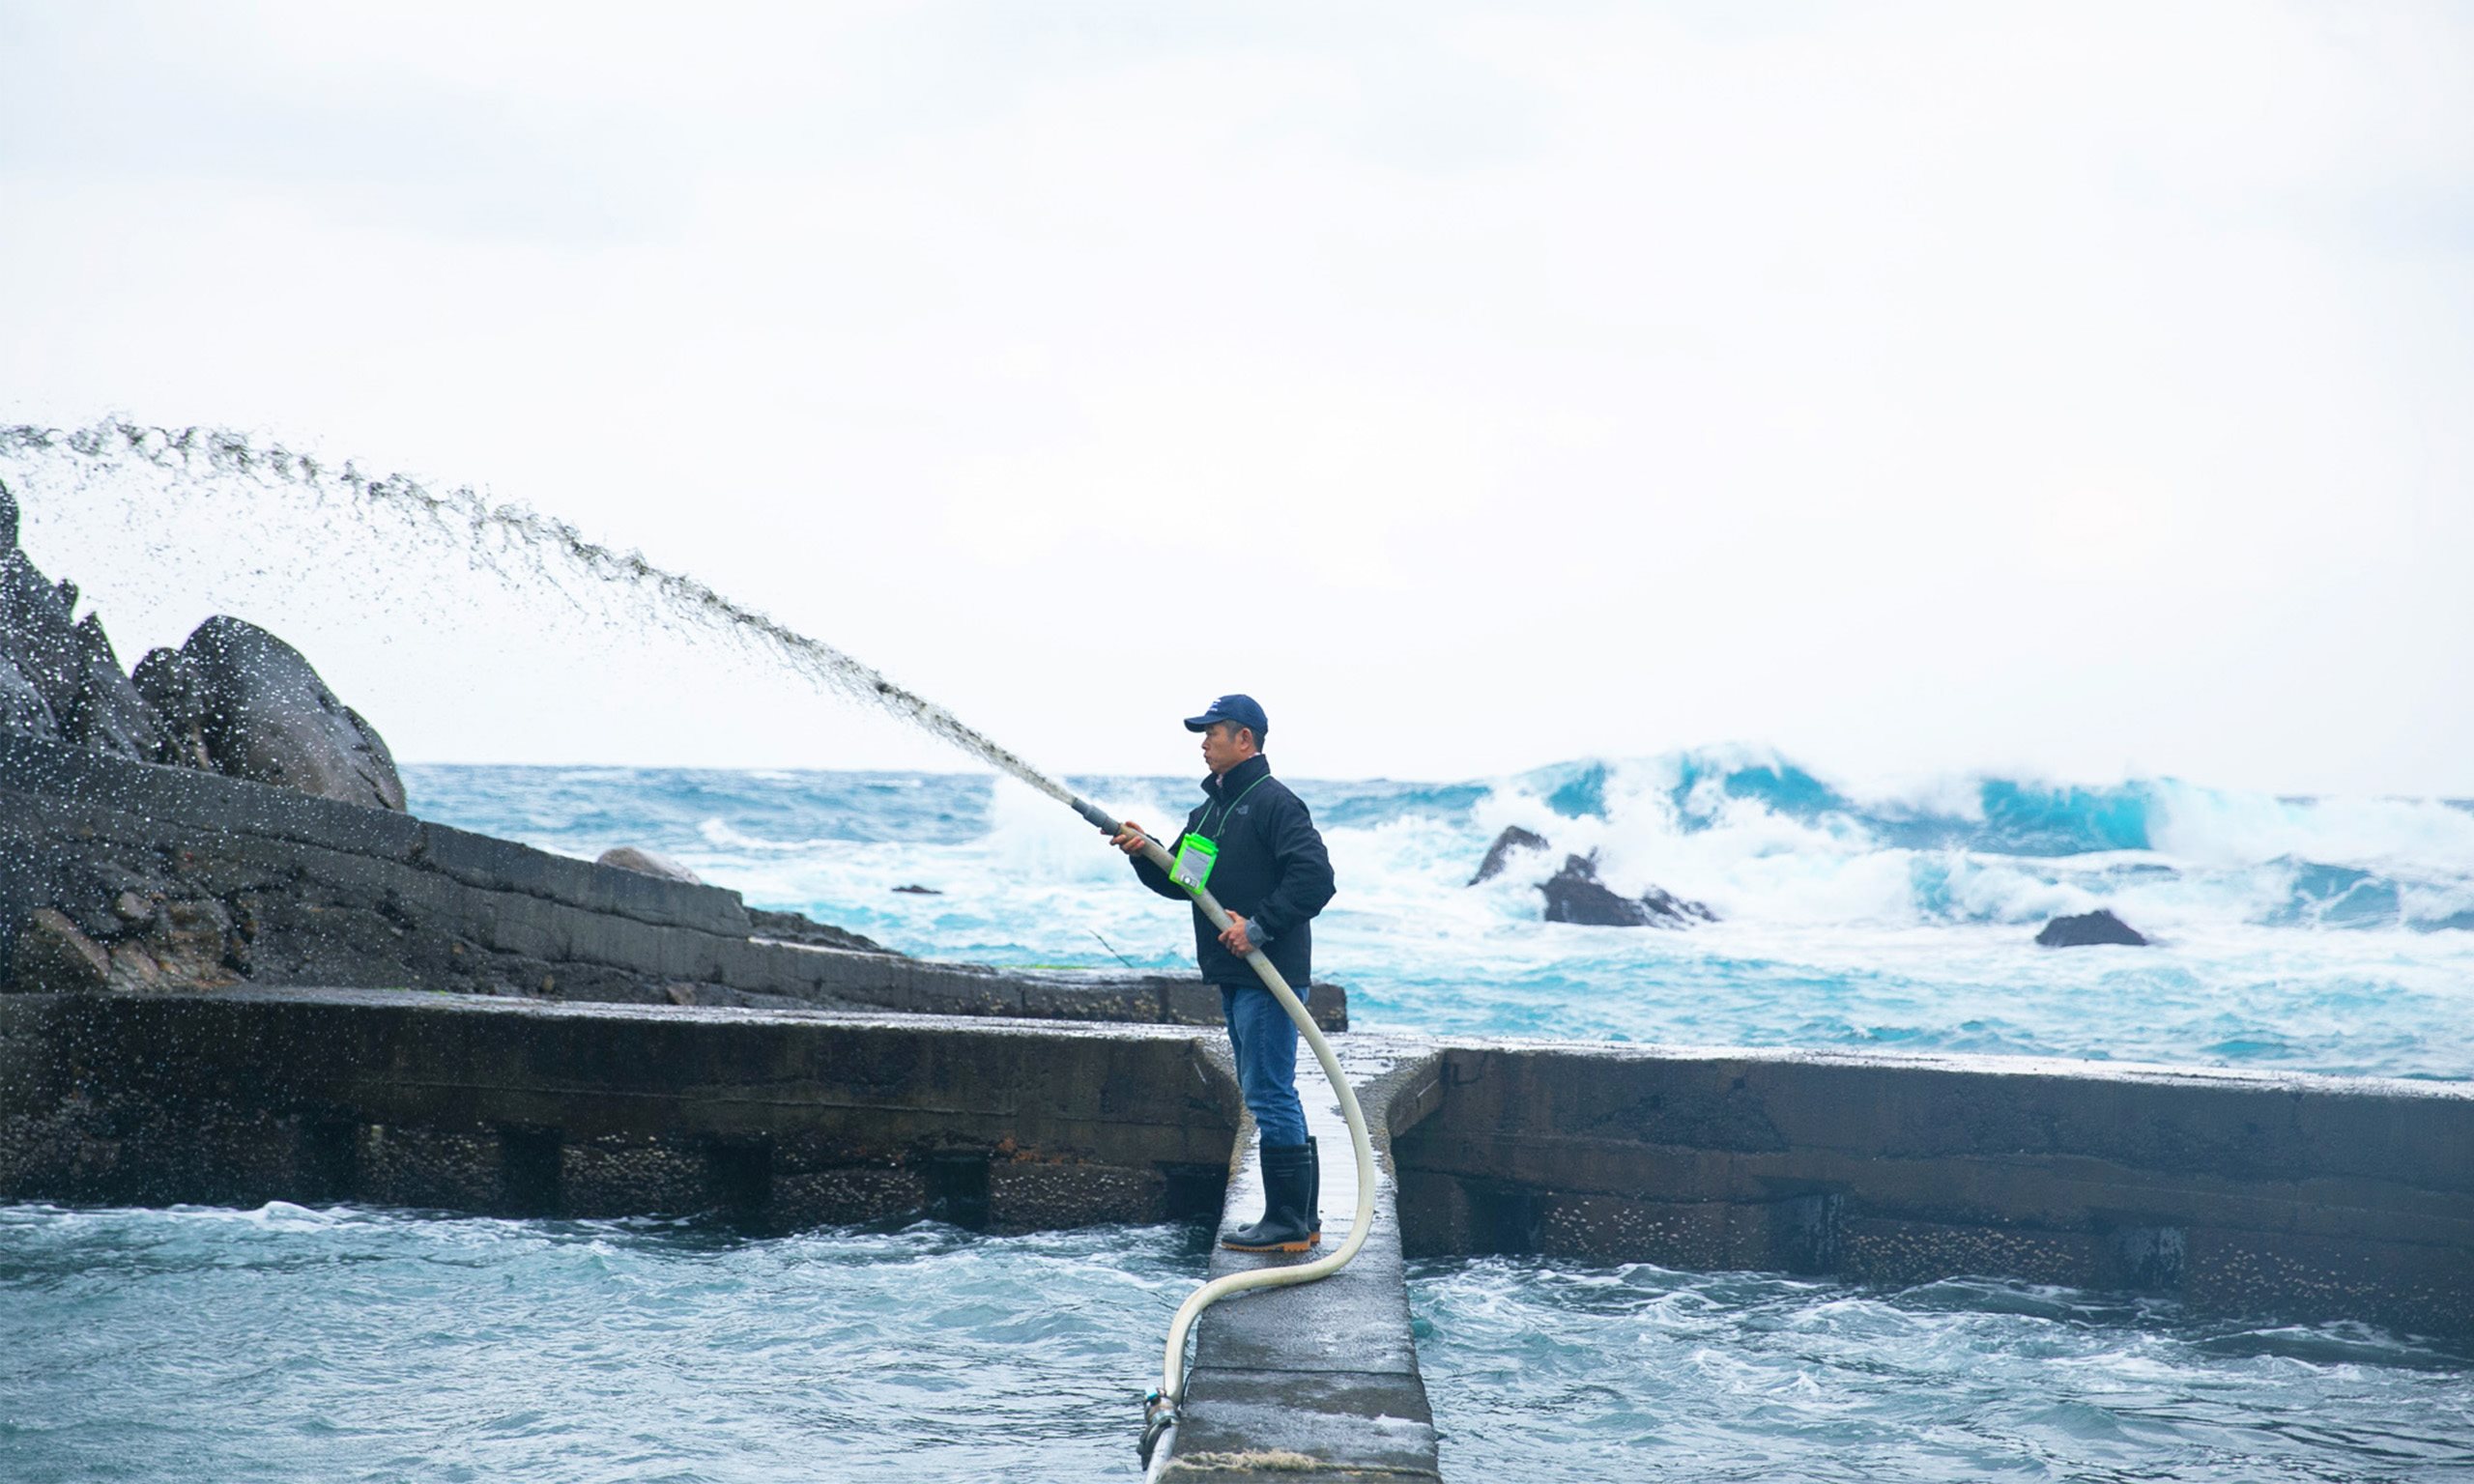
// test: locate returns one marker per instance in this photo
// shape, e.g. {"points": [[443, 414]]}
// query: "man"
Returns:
{"points": [[1253, 844]]}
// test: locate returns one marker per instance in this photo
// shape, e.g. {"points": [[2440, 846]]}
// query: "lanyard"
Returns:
{"points": [[1197, 852], [1228, 809]]}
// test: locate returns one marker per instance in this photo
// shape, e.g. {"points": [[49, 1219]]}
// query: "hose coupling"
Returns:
{"points": [[1159, 1418]]}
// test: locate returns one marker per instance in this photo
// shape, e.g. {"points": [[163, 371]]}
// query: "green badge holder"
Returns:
{"points": [[1195, 856]]}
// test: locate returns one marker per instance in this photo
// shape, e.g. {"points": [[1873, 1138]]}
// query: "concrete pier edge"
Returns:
{"points": [[1318, 1381]]}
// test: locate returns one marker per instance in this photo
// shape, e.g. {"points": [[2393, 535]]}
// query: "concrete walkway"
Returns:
{"points": [[1318, 1382]]}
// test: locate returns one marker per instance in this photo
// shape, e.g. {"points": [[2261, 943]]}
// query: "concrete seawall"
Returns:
{"points": [[781, 1120], [149, 877], [2301, 1196]]}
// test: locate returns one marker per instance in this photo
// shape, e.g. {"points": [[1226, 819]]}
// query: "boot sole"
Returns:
{"points": [[1277, 1246]]}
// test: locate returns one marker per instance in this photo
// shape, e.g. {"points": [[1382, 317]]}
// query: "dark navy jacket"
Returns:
{"points": [[1273, 872]]}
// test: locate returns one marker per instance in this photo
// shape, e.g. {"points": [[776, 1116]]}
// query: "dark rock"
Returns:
{"points": [[1676, 911], [36, 638], [68, 666], [264, 715], [22, 709], [2088, 929], [51, 956], [180, 945], [1499, 853], [793, 927], [1575, 894], [109, 714], [650, 863], [7, 519], [169, 685], [914, 889]]}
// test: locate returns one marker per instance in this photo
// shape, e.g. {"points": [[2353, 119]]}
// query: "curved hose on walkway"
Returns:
{"points": [[1159, 1409]]}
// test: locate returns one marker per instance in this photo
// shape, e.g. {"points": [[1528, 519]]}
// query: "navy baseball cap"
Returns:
{"points": [[1241, 710]]}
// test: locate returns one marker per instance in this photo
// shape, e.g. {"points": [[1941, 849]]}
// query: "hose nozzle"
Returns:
{"points": [[1097, 818]]}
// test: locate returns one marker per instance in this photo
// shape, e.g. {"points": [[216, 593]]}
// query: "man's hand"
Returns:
{"points": [[1234, 939], [1130, 840]]}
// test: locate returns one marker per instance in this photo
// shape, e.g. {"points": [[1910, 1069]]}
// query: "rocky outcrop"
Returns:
{"points": [[1575, 894], [808, 932], [1514, 839], [233, 700], [168, 683], [650, 863], [39, 642], [109, 714], [53, 955], [264, 715], [58, 678], [2090, 928], [22, 709]]}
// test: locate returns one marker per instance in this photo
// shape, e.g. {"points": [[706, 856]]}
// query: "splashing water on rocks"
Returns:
{"points": [[519, 545]]}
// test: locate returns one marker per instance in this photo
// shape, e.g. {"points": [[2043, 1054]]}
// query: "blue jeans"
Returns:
{"points": [[1265, 1041]]}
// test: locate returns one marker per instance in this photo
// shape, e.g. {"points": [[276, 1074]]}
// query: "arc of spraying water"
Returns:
{"points": [[484, 525], [481, 523]]}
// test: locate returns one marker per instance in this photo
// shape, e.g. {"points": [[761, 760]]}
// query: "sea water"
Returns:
{"points": [[1541, 1371], [2330, 935], [2314, 935], [296, 1346]]}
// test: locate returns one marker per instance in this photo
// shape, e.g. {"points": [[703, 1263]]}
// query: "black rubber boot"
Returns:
{"points": [[1288, 1174], [1314, 1191]]}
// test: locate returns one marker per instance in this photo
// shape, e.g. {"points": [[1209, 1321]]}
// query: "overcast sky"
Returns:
{"points": [[2080, 388]]}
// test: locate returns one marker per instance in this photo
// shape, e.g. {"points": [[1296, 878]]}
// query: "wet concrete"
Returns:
{"points": [[2305, 1197], [781, 1120], [1318, 1381]]}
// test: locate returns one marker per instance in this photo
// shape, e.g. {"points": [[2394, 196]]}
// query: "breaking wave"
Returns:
{"points": [[1761, 834], [2313, 935]]}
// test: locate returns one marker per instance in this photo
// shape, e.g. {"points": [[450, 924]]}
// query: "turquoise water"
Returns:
{"points": [[2330, 935], [1540, 1372], [295, 1345], [290, 1345], [2322, 935]]}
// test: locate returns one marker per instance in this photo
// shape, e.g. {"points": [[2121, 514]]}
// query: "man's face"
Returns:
{"points": [[1224, 746]]}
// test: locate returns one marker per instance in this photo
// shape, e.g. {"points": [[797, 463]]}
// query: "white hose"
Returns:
{"points": [[1173, 1370]]}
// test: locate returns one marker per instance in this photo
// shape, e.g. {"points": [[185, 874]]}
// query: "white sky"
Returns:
{"points": [[2080, 388]]}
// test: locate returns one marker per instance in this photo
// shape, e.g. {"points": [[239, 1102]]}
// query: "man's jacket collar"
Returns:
{"points": [[1228, 784]]}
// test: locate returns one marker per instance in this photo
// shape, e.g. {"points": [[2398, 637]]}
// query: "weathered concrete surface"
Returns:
{"points": [[1318, 1381], [186, 880], [783, 1118], [2300, 1196]]}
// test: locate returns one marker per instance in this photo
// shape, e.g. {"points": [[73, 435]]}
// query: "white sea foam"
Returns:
{"points": [[1846, 921], [2210, 826]]}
